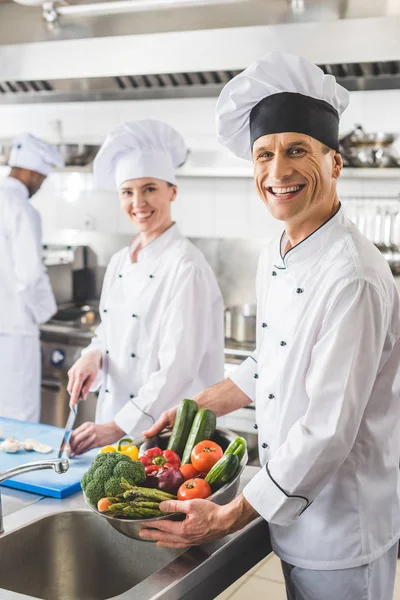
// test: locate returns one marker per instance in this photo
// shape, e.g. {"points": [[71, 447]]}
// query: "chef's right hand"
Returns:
{"points": [[81, 376], [166, 420]]}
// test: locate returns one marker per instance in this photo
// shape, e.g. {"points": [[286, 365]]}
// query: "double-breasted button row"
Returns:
{"points": [[255, 376], [264, 445], [264, 325]]}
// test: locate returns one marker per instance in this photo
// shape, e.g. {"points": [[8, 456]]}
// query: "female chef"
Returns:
{"points": [[161, 332]]}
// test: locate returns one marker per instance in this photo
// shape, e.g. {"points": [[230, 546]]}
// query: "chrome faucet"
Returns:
{"points": [[60, 465]]}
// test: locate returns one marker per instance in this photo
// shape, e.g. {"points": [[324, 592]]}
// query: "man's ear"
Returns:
{"points": [[174, 193], [337, 165]]}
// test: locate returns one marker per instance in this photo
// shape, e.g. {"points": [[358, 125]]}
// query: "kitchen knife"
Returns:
{"points": [[68, 430]]}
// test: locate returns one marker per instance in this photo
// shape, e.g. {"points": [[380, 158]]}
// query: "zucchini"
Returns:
{"points": [[203, 428], [223, 471], [183, 423], [237, 447]]}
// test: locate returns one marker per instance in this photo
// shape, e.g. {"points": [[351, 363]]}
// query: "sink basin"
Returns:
{"points": [[75, 555]]}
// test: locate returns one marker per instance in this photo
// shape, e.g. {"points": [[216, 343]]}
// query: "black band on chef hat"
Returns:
{"points": [[289, 111]]}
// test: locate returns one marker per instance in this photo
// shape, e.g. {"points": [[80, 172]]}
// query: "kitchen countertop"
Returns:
{"points": [[215, 565]]}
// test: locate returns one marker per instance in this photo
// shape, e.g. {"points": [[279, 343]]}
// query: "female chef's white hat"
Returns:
{"points": [[145, 148], [279, 93], [29, 152]]}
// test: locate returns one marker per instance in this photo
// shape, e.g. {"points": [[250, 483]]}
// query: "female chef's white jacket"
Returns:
{"points": [[326, 382], [161, 332], [26, 300]]}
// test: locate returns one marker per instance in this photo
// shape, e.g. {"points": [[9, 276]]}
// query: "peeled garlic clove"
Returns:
{"points": [[30, 444], [10, 445]]}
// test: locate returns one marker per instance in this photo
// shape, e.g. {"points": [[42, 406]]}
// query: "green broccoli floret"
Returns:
{"points": [[103, 478]]}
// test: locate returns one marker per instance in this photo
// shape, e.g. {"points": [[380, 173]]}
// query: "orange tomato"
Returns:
{"points": [[103, 504], [188, 472], [205, 454], [194, 488]]}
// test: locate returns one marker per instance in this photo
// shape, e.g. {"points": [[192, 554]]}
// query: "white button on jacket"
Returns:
{"points": [[161, 334], [26, 300], [327, 399]]}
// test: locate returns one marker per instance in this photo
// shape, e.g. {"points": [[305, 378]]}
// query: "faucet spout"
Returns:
{"points": [[59, 465]]}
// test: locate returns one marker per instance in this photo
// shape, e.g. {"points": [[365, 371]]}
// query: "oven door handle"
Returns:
{"points": [[52, 383]]}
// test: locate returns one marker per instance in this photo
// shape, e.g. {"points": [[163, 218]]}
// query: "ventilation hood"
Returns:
{"points": [[147, 55]]}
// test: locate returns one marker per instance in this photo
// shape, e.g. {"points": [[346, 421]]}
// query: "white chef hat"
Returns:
{"points": [[29, 152], [279, 93], [145, 148]]}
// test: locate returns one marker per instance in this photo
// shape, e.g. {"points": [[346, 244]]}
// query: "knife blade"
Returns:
{"points": [[68, 430]]}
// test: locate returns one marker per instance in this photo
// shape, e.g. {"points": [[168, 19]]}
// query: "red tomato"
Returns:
{"points": [[205, 455], [188, 472], [194, 488]]}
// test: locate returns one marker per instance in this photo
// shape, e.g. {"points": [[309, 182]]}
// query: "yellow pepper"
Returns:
{"points": [[124, 447], [108, 449]]}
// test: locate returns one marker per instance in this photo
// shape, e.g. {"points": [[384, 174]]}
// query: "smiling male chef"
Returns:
{"points": [[325, 378], [26, 298]]}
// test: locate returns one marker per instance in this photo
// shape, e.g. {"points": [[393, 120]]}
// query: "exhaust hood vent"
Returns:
{"points": [[353, 76]]}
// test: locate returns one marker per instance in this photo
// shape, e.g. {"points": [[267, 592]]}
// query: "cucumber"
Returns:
{"points": [[237, 447], [223, 471], [183, 423], [203, 428]]}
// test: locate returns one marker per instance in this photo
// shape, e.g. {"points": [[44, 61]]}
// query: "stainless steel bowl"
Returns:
{"points": [[132, 527]]}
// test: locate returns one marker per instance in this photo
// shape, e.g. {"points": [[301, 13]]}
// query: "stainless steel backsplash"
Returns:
{"points": [[234, 262]]}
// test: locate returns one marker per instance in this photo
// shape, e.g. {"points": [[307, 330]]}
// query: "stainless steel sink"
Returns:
{"points": [[75, 555]]}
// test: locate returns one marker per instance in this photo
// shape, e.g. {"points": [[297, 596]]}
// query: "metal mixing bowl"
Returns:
{"points": [[132, 527]]}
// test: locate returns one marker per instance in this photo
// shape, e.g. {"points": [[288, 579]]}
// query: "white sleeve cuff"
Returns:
{"points": [[245, 377], [132, 420], [98, 380], [271, 501]]}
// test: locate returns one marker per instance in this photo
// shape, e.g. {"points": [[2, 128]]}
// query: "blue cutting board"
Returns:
{"points": [[46, 482]]}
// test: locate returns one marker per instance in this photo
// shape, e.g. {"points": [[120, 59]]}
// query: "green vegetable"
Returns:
{"points": [[203, 428], [238, 447], [103, 479], [183, 422], [223, 471]]}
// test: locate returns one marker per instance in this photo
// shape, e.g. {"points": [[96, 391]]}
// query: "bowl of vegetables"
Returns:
{"points": [[195, 460]]}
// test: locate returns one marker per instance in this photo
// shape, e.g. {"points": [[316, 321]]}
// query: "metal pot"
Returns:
{"points": [[358, 137], [240, 323], [371, 156]]}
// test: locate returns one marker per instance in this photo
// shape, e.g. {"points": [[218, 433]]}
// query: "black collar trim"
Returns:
{"points": [[306, 238]]}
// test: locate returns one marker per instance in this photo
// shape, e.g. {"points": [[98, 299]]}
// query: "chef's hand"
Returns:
{"points": [[92, 435], [166, 420], [204, 522], [81, 376]]}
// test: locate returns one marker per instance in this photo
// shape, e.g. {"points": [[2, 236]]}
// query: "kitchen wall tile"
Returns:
{"points": [[271, 570], [198, 213], [259, 589], [262, 225], [232, 208]]}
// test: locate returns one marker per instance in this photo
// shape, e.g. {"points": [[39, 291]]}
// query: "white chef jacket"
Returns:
{"points": [[326, 382], [26, 300], [161, 334]]}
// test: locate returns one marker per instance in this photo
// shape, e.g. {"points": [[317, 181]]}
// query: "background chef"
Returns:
{"points": [[325, 377], [161, 336], [26, 298]]}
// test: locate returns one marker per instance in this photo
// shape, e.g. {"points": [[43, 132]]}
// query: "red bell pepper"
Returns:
{"points": [[161, 458]]}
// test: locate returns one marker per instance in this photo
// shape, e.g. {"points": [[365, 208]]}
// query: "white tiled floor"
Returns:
{"points": [[267, 577]]}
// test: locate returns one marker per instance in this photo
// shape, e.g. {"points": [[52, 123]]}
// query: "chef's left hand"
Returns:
{"points": [[92, 435], [204, 522]]}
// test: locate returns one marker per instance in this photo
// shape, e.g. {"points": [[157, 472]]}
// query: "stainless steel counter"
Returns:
{"points": [[201, 572]]}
